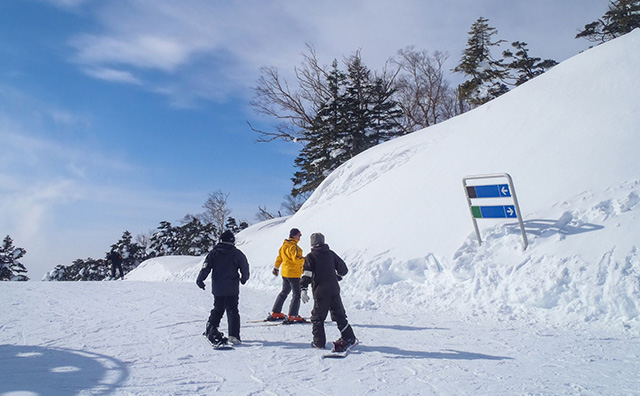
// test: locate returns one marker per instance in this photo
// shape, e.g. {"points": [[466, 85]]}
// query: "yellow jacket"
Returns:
{"points": [[290, 258]]}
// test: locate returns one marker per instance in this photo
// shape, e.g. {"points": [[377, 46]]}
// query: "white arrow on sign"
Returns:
{"points": [[509, 210], [505, 190]]}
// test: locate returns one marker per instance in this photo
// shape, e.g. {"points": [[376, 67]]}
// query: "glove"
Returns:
{"points": [[339, 278], [304, 296], [275, 271], [200, 284], [243, 281]]}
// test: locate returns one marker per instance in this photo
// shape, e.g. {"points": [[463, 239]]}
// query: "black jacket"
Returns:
{"points": [[321, 269], [228, 266], [114, 258]]}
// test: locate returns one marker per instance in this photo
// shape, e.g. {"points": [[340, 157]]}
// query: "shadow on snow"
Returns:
{"points": [[450, 354], [58, 371]]}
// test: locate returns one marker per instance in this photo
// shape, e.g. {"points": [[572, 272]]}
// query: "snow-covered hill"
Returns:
{"points": [[398, 213], [436, 314]]}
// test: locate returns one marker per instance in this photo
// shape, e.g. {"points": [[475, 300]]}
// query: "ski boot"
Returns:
{"points": [[275, 316]]}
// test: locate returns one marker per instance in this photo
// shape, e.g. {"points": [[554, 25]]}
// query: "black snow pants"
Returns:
{"points": [[228, 304], [321, 307], [113, 270]]}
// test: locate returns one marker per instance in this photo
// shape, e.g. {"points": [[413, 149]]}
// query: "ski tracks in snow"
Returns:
{"points": [[141, 338]]}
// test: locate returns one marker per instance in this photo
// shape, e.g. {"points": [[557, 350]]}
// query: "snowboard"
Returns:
{"points": [[339, 355], [224, 346]]}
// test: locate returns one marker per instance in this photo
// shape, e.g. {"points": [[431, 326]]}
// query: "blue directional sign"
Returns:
{"points": [[489, 191], [494, 212]]}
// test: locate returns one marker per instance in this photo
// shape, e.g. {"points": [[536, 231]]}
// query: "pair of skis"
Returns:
{"points": [[279, 322]]}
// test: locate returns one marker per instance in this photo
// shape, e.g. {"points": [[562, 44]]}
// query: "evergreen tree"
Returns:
{"points": [[322, 152], [194, 238], [486, 75], [163, 241], [357, 104], [80, 270], [384, 114], [524, 66], [232, 225], [622, 17], [10, 267], [358, 114]]}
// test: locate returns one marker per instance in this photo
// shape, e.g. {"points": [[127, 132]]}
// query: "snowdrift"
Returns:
{"points": [[398, 215]]}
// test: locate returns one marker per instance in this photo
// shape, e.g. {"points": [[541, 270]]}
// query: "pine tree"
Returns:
{"points": [[486, 75], [80, 270], [524, 66], [622, 17], [359, 113], [357, 103], [10, 267], [163, 241], [323, 150], [385, 113]]}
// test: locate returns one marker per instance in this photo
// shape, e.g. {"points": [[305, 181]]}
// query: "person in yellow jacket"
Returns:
{"points": [[289, 262]]}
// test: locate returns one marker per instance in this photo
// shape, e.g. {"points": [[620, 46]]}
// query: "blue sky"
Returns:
{"points": [[116, 115]]}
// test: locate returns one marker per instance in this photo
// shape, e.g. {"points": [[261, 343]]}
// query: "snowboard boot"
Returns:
{"points": [[348, 335], [217, 338], [234, 340], [274, 316]]}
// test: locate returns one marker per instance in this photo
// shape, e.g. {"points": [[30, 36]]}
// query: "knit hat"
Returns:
{"points": [[317, 239], [228, 236], [294, 232]]}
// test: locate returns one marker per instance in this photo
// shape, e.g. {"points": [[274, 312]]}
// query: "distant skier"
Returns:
{"points": [[115, 260], [323, 268], [290, 259], [228, 267]]}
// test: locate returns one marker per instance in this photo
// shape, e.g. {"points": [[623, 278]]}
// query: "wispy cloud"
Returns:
{"points": [[113, 75]]}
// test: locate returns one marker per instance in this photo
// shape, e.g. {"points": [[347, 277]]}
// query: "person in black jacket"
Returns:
{"points": [[323, 269], [228, 267], [115, 259]]}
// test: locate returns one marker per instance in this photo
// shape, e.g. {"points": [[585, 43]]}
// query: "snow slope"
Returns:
{"points": [[571, 141], [436, 313]]}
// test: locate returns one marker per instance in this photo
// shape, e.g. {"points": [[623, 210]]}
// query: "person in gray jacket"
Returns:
{"points": [[322, 269], [228, 267]]}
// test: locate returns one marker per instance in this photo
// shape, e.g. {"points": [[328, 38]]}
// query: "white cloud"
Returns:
{"points": [[211, 50], [108, 74], [67, 3]]}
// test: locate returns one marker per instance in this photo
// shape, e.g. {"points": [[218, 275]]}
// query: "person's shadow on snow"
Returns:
{"points": [[58, 371], [450, 354]]}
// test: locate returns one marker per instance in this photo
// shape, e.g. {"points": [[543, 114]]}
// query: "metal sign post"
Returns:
{"points": [[504, 191]]}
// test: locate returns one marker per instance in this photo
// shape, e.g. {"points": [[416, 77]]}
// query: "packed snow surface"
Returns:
{"points": [[436, 312]]}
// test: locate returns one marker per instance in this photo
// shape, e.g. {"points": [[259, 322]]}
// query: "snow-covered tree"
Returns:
{"points": [[486, 74], [10, 267], [194, 238], [163, 241], [80, 270], [622, 17]]}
